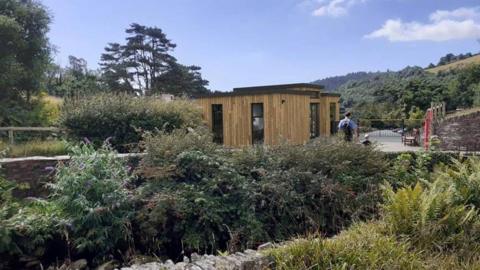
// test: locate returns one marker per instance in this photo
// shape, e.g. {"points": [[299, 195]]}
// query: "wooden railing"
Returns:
{"points": [[11, 131]]}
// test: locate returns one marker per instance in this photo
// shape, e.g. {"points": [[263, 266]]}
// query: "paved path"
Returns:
{"points": [[389, 141]]}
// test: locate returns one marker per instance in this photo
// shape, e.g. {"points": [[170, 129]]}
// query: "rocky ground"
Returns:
{"points": [[247, 260]]}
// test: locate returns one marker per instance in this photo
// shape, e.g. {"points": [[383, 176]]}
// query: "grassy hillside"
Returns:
{"points": [[456, 65]]}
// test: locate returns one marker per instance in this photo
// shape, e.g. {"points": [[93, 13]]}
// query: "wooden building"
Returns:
{"points": [[294, 113]]}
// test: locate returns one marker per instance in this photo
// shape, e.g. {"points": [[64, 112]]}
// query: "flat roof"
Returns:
{"points": [[280, 86], [270, 89]]}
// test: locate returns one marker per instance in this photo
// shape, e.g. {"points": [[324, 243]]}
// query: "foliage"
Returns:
{"points": [[144, 65], [242, 198], [405, 93], [431, 225], [451, 58], [92, 196], [408, 169], [24, 54], [363, 246], [35, 148], [75, 80], [441, 215], [122, 118], [26, 228]]}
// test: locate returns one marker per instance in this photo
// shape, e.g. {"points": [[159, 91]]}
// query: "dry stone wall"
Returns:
{"points": [[247, 260], [460, 133]]}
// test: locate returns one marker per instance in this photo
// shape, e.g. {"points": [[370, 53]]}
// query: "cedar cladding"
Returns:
{"points": [[286, 115]]}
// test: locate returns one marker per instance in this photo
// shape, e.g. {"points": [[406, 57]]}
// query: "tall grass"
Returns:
{"points": [[34, 148], [363, 246]]}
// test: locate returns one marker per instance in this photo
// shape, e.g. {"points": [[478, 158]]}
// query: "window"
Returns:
{"points": [[333, 118], [314, 121], [217, 123], [258, 126]]}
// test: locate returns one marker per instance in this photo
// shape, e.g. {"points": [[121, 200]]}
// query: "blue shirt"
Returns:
{"points": [[351, 124]]}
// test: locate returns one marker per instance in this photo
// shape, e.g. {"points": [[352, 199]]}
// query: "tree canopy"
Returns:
{"points": [[144, 64], [24, 55]]}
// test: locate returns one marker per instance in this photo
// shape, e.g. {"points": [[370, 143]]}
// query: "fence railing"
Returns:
{"points": [[11, 131]]}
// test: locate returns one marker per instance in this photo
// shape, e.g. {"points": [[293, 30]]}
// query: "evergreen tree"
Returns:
{"points": [[145, 64]]}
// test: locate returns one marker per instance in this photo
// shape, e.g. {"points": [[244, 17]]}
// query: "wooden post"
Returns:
{"points": [[11, 138]]}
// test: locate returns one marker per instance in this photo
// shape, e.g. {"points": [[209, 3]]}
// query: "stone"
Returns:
{"points": [[267, 245], [110, 265], [78, 265], [169, 263], [195, 257]]}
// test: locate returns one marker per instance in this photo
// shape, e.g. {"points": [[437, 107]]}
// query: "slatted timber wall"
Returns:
{"points": [[286, 117]]}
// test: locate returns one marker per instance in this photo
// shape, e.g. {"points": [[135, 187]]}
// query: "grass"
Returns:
{"points": [[366, 246], [34, 148], [456, 65], [363, 246]]}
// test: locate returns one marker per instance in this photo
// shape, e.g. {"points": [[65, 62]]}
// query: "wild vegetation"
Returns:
{"points": [[122, 119], [190, 195], [430, 223]]}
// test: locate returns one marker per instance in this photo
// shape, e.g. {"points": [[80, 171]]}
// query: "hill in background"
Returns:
{"points": [[475, 59], [411, 88]]}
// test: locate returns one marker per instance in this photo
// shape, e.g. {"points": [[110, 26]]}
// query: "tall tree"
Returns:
{"points": [[24, 47], [144, 64], [114, 69]]}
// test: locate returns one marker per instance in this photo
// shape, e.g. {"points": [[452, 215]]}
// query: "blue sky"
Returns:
{"points": [[255, 42]]}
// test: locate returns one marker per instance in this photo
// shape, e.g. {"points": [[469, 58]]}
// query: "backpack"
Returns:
{"points": [[347, 130]]}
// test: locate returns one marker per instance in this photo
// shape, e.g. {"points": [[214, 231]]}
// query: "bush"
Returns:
{"points": [[26, 229], [205, 197], [442, 215], [41, 110], [91, 193], [124, 118], [364, 246]]}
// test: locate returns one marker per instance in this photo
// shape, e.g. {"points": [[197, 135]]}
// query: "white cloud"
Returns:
{"points": [[462, 23], [461, 13], [334, 8]]}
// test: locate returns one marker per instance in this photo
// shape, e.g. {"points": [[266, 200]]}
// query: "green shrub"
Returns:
{"points": [[407, 169], [26, 228], [91, 193], [364, 246], [441, 215], [206, 197], [124, 118]]}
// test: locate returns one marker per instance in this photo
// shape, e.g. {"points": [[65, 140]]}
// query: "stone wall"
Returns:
{"points": [[461, 133], [33, 172], [247, 260]]}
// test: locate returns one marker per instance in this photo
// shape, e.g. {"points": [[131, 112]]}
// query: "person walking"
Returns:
{"points": [[348, 127]]}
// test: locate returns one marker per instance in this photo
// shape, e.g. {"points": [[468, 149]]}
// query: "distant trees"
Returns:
{"points": [[73, 80], [411, 90], [450, 58], [144, 64]]}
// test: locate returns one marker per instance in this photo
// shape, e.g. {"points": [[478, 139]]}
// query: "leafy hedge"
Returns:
{"points": [[122, 119], [206, 198]]}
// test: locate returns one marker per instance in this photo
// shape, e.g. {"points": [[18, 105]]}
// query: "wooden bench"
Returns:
{"points": [[411, 139]]}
